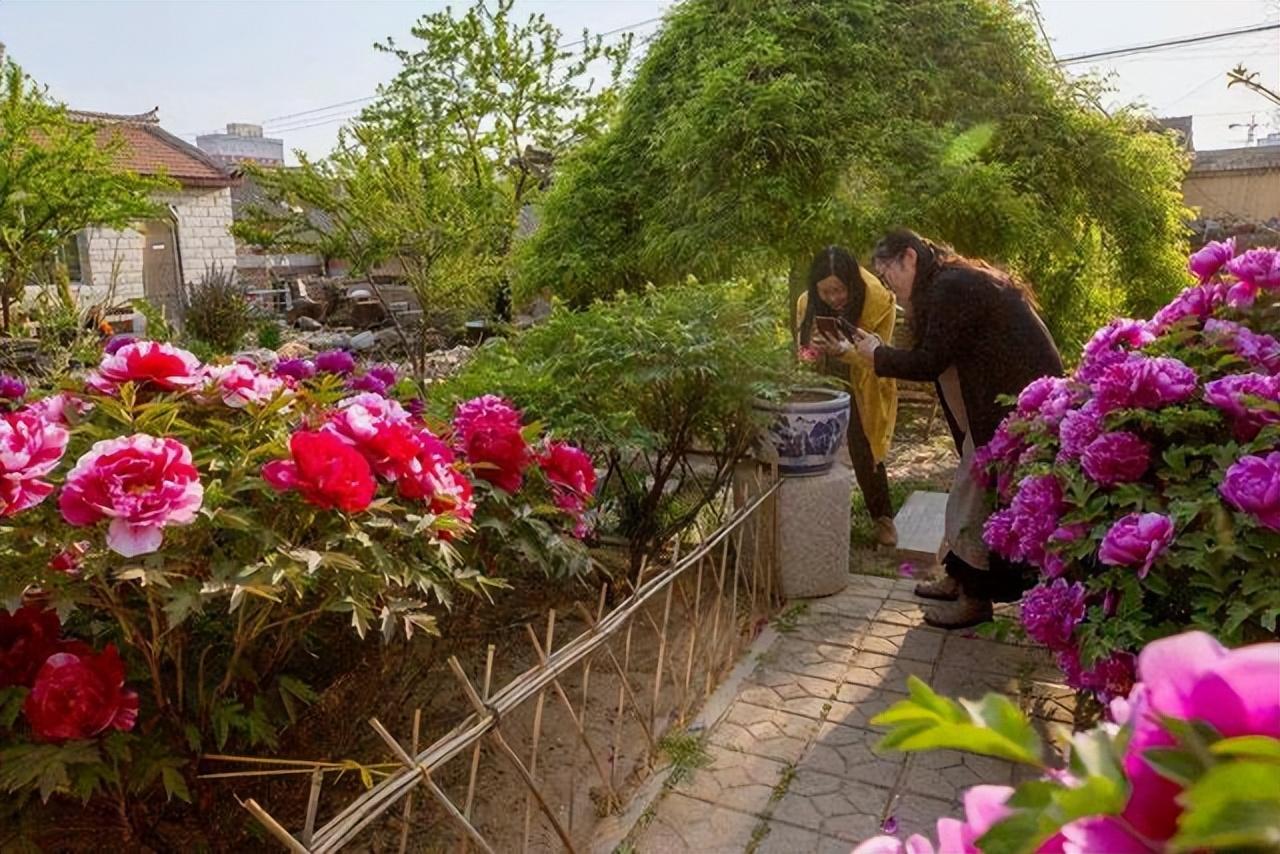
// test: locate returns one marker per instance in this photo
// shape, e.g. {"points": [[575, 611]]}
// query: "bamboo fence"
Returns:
{"points": [[725, 586]]}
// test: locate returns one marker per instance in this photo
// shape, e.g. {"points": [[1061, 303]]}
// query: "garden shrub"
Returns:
{"points": [[218, 310], [642, 382], [1146, 486], [172, 531]]}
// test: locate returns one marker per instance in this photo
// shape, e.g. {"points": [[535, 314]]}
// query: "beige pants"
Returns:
{"points": [[968, 505]]}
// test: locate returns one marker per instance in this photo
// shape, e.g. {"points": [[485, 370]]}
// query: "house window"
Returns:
{"points": [[69, 256]]}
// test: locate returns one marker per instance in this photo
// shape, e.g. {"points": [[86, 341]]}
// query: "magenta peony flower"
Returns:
{"points": [[1244, 398], [434, 478], [12, 388], [1143, 383], [141, 483], [115, 342], [487, 431], [1051, 612], [1035, 515], [1048, 399], [1258, 267], [1137, 540], [240, 385], [998, 534], [1104, 348], [1261, 351], [1108, 678], [1114, 458], [385, 374], [1242, 294], [295, 369], [984, 807], [1206, 263], [30, 448], [1252, 485], [1078, 430], [367, 383], [381, 431], [147, 364], [1198, 302], [335, 362]]}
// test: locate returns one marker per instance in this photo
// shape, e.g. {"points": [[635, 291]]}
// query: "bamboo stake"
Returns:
{"points": [[408, 799], [573, 717], [693, 640], [537, 736], [475, 751], [657, 673], [715, 620], [430, 784], [732, 629], [313, 806], [273, 827], [625, 690], [506, 750]]}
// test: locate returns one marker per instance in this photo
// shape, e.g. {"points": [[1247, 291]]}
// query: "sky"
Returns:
{"points": [[302, 68]]}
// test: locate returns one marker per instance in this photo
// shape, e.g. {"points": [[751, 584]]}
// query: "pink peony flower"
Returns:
{"points": [[1206, 263], [147, 364], [58, 407], [1114, 458], [1245, 398], [1078, 430], [1252, 485], [1137, 540], [380, 430], [573, 480], [1258, 267], [335, 362], [141, 483], [30, 448], [1144, 383], [1198, 302], [1034, 516], [488, 432], [984, 807], [240, 385], [1051, 612], [433, 477], [1104, 348], [1261, 351], [808, 354]]}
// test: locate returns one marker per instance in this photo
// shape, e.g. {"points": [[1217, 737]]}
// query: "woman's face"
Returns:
{"points": [[899, 274], [833, 292]]}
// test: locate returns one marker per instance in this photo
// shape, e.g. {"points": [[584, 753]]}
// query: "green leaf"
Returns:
{"points": [[11, 700], [1234, 805], [1249, 746], [175, 785]]}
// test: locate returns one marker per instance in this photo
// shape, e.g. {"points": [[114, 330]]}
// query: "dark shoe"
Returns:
{"points": [[886, 532], [960, 614], [944, 587]]}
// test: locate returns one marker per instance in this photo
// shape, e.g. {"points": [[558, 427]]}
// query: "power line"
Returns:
{"points": [[1167, 43]]}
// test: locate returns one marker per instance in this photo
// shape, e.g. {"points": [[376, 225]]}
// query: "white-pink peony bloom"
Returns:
{"points": [[239, 384], [30, 447], [151, 364]]}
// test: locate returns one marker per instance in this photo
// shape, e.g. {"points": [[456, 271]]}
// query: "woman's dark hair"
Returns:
{"points": [[933, 257], [839, 262]]}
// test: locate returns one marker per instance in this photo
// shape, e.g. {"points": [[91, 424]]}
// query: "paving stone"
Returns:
{"points": [[790, 692], [684, 824], [786, 839], [986, 656], [916, 814], [1044, 700], [831, 628], [885, 672], [799, 655], [871, 585], [847, 752], [902, 613], [740, 781], [856, 705], [849, 603], [916, 643], [832, 806], [945, 774], [771, 733]]}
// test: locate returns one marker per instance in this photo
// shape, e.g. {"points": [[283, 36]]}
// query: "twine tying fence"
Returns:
{"points": [[733, 597]]}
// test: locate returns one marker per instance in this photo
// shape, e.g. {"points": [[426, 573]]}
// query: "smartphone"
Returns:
{"points": [[834, 328]]}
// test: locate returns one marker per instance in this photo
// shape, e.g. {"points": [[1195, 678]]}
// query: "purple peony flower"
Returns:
{"points": [[1252, 485], [1137, 540], [1051, 612], [1261, 351], [1113, 458], [1004, 447], [11, 387], [1242, 294], [1143, 383], [1198, 302], [1208, 261], [386, 374], [997, 533], [1078, 428], [1034, 516], [338, 362], [1048, 398], [369, 383], [298, 369], [416, 406], [1104, 348], [1109, 678], [115, 342], [1258, 267], [1244, 398]]}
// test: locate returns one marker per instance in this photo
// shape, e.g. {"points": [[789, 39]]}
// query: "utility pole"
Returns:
{"points": [[1251, 126]]}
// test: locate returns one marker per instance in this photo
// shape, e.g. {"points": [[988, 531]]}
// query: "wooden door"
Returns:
{"points": [[161, 283]]}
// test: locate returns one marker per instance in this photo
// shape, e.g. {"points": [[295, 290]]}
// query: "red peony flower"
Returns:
{"points": [[80, 694], [433, 478], [326, 470], [487, 432], [27, 637], [571, 473], [69, 559]]}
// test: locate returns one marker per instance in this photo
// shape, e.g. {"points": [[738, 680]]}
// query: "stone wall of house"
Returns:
{"points": [[204, 230]]}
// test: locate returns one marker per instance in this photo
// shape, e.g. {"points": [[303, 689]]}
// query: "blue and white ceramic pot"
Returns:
{"points": [[807, 429]]}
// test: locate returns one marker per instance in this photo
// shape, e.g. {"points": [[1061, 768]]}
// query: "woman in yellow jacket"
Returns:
{"points": [[841, 289]]}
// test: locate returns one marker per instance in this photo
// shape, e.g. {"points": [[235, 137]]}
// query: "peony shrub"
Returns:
{"points": [[1189, 762], [1145, 487], [171, 532]]}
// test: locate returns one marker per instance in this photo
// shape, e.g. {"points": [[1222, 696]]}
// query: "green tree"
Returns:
{"points": [[757, 130], [57, 177]]}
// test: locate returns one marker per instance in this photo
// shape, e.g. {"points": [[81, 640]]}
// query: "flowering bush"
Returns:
{"points": [[170, 531], [1146, 486], [1191, 762]]}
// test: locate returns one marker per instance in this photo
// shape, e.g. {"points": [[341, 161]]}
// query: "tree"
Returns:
{"points": [[757, 130], [57, 177]]}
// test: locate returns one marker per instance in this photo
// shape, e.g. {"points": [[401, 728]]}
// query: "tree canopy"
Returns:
{"points": [[757, 130]]}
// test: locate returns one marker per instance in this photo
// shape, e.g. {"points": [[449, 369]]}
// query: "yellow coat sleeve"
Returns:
{"points": [[877, 397]]}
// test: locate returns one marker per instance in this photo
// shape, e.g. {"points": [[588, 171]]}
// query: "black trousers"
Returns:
{"points": [[1002, 581], [872, 478]]}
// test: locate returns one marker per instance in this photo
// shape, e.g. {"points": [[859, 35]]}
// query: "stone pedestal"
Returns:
{"points": [[813, 533]]}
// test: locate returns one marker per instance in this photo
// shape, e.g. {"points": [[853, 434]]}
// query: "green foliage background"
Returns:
{"points": [[757, 130]]}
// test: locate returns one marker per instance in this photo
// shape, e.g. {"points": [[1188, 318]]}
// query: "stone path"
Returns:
{"points": [[792, 767]]}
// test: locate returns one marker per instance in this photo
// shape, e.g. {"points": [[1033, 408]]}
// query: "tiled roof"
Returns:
{"points": [[1233, 159], [149, 149]]}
